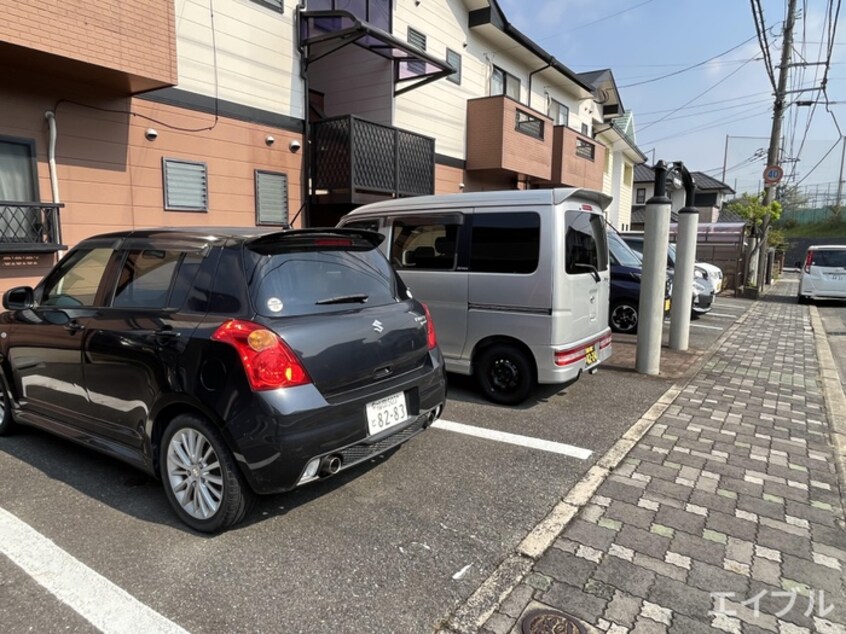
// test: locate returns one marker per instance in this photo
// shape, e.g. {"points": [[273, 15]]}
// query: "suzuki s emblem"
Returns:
{"points": [[377, 326]]}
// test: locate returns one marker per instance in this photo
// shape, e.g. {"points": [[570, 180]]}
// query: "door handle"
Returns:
{"points": [[74, 326], [166, 334]]}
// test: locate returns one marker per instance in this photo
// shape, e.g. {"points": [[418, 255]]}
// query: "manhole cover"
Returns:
{"points": [[551, 622]]}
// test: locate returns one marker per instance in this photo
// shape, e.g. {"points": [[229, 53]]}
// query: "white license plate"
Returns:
{"points": [[386, 413], [835, 276]]}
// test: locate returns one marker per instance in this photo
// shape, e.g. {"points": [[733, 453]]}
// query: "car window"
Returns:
{"points": [[831, 257], [429, 243], [585, 243], [621, 252], [505, 242], [145, 278], [319, 279], [76, 281]]}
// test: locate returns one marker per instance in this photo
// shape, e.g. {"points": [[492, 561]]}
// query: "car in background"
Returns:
{"points": [[823, 275], [225, 362], [624, 309], [701, 270]]}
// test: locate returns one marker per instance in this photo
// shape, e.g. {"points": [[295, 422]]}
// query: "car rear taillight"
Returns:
{"points": [[431, 337], [566, 357], [809, 259], [605, 342], [268, 361]]}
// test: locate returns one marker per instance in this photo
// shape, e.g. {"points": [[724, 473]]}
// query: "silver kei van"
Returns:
{"points": [[517, 282]]}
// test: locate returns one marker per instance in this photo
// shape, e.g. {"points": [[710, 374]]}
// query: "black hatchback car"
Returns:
{"points": [[226, 362]]}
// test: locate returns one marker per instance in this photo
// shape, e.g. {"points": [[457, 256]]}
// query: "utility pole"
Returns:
{"points": [[775, 136], [840, 176]]}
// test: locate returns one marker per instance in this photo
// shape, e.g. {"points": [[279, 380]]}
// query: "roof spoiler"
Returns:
{"points": [[373, 237], [603, 200]]}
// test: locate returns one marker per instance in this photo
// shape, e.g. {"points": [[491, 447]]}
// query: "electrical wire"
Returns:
{"points": [[708, 126], [761, 33], [684, 70], [825, 156], [710, 111]]}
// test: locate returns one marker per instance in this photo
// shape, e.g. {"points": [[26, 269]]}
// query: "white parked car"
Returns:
{"points": [[824, 274]]}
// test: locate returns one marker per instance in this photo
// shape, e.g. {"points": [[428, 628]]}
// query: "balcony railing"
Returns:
{"points": [[30, 227], [354, 160], [577, 160]]}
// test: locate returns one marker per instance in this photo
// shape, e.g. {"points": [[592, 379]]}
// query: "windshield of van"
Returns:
{"points": [[585, 243], [622, 253], [306, 279]]}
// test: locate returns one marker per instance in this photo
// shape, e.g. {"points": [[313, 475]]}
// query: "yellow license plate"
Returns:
{"points": [[590, 355], [666, 305]]}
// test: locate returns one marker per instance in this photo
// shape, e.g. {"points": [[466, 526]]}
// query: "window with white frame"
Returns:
{"points": [[558, 112], [271, 198], [276, 5], [504, 83], [186, 186], [585, 129], [640, 195]]}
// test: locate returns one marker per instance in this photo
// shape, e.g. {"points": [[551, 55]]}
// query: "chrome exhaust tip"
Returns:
{"points": [[330, 466]]}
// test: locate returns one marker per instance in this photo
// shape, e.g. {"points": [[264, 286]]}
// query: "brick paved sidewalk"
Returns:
{"points": [[733, 490]]}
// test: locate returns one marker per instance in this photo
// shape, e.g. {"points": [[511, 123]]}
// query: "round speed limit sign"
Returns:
{"points": [[773, 174]]}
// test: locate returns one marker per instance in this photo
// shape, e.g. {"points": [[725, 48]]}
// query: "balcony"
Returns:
{"points": [[577, 160], [356, 161], [503, 134], [128, 47], [30, 228]]}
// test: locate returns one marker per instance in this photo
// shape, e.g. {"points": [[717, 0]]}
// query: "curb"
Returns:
{"points": [[835, 399], [470, 616]]}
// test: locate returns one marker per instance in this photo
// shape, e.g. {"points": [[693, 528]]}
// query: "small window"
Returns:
{"points": [[505, 243], [529, 124], [145, 279], [453, 60], [271, 198], [585, 129], [185, 185], [276, 5], [503, 83], [424, 244], [559, 113], [641, 195], [18, 184], [585, 245], [76, 281]]}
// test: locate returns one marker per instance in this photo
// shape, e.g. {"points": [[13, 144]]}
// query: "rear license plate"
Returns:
{"points": [[836, 276], [666, 305], [590, 355], [386, 413]]}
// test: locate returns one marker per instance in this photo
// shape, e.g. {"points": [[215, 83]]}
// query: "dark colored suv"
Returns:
{"points": [[226, 362]]}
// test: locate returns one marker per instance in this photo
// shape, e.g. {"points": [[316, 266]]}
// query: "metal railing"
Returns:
{"points": [[29, 226], [585, 149], [353, 155]]}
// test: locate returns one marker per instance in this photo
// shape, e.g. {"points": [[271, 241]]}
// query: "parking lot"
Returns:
{"points": [[393, 546]]}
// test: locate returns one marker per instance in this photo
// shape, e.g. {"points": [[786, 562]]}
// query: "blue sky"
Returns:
{"points": [[729, 96]]}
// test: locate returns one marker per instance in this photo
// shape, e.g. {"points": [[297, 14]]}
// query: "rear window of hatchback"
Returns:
{"points": [[308, 277], [835, 258]]}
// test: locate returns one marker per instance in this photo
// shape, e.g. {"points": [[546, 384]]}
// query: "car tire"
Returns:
{"points": [[804, 299], [207, 498], [505, 374], [7, 420], [624, 316]]}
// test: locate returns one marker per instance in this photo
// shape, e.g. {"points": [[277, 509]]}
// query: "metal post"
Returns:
{"points": [[725, 158], [840, 176], [653, 281], [685, 259]]}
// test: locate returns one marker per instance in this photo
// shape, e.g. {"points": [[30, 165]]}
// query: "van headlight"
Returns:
{"points": [[698, 287], [700, 274]]}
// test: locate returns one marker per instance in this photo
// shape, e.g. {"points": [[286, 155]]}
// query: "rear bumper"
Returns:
{"points": [[549, 372], [809, 287], [280, 432]]}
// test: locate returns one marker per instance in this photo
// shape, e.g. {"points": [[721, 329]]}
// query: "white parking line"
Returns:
{"points": [[708, 327], [514, 439], [733, 316], [106, 606]]}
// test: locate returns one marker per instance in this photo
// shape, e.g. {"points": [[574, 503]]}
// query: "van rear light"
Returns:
{"points": [[431, 337], [605, 342], [566, 357], [268, 361], [809, 259]]}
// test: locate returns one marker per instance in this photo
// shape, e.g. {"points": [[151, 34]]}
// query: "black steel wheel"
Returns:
{"points": [[200, 477], [623, 316], [505, 374]]}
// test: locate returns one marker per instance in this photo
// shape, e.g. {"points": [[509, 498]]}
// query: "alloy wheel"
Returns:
{"points": [[194, 473]]}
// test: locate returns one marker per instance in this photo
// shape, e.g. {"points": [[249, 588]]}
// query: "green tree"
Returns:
{"points": [[751, 207]]}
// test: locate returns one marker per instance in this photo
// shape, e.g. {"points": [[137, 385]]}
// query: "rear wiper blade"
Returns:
{"points": [[358, 298]]}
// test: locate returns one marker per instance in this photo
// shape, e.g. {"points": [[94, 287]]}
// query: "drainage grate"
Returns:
{"points": [[551, 622]]}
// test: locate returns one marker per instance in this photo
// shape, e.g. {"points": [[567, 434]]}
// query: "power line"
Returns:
{"points": [[708, 126], [710, 111], [825, 156], [684, 70], [761, 33]]}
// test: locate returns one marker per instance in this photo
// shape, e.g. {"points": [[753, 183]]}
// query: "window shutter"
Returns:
{"points": [[271, 198], [186, 186]]}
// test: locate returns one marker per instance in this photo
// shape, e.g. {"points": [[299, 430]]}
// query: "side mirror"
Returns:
{"points": [[19, 298]]}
